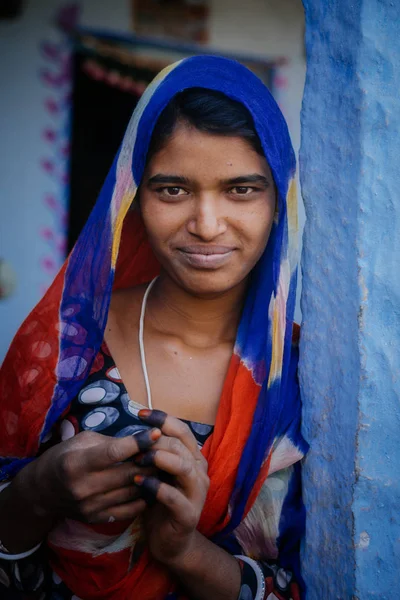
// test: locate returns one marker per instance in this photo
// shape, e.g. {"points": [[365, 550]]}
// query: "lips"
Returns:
{"points": [[206, 257], [206, 250]]}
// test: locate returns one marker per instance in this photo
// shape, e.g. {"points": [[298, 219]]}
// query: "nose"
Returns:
{"points": [[207, 221]]}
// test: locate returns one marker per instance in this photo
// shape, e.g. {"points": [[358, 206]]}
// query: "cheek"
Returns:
{"points": [[256, 226], [161, 222]]}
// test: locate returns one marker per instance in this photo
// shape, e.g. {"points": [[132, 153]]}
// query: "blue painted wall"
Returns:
{"points": [[350, 370]]}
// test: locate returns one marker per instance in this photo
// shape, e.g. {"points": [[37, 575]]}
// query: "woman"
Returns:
{"points": [[158, 394]]}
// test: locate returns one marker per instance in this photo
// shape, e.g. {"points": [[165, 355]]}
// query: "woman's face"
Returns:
{"points": [[208, 203]]}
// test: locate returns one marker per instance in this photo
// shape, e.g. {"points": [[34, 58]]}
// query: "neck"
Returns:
{"points": [[198, 322]]}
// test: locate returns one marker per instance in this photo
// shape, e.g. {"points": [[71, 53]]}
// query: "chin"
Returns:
{"points": [[208, 283]]}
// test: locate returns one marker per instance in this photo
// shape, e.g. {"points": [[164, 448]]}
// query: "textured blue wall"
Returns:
{"points": [[350, 366]]}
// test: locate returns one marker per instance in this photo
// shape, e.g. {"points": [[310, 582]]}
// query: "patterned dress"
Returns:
{"points": [[103, 406]]}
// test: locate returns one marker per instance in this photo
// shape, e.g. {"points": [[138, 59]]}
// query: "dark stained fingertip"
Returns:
{"points": [[150, 484], [145, 439], [156, 418], [146, 459]]}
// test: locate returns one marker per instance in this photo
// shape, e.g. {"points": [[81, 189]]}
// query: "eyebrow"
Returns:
{"points": [[253, 178], [164, 179]]}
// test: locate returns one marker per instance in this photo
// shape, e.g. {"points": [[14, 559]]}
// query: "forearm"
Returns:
{"points": [[23, 524], [206, 571]]}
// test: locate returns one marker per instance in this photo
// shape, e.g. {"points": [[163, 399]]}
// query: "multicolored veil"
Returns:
{"points": [[54, 350]]}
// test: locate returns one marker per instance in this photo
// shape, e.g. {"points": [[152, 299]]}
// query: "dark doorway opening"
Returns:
{"points": [[102, 104]]}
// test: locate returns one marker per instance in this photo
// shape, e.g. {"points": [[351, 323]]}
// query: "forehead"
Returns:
{"points": [[189, 151]]}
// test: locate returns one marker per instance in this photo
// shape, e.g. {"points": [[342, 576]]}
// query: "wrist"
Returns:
{"points": [[204, 566], [187, 555], [24, 524], [28, 492]]}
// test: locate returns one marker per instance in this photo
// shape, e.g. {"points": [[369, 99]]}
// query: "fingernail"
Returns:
{"points": [[156, 418], [155, 434], [146, 438], [149, 484], [144, 413], [138, 457], [146, 459]]}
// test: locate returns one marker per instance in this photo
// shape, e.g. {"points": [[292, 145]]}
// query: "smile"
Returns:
{"points": [[206, 257]]}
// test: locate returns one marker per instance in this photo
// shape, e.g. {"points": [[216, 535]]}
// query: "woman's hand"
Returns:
{"points": [[171, 524], [86, 477]]}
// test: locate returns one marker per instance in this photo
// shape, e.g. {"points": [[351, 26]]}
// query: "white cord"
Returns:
{"points": [[141, 343]]}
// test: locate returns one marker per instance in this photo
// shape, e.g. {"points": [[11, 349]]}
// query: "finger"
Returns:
{"points": [[116, 450], [172, 427], [193, 481], [120, 512], [155, 418], [115, 477], [169, 444], [101, 502], [176, 502], [172, 444]]}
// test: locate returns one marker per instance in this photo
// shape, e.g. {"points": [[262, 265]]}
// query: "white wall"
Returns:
{"points": [[270, 28], [23, 183], [106, 14], [23, 118]]}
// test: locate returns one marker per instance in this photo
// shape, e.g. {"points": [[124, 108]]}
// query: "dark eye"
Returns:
{"points": [[242, 190], [173, 191]]}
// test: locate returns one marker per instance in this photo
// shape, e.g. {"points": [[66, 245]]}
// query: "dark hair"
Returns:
{"points": [[206, 110]]}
